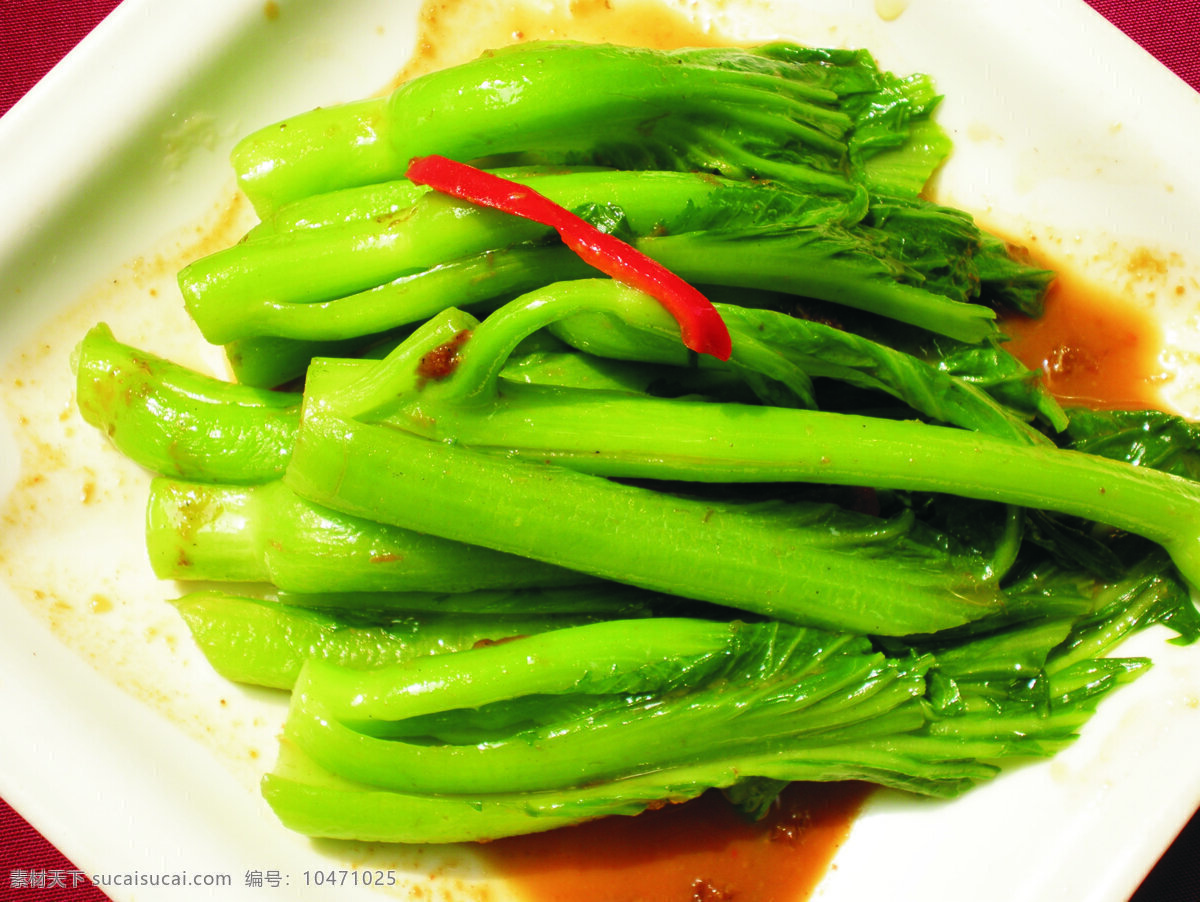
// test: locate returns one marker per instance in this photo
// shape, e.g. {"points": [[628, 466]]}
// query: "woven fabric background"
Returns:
{"points": [[36, 34], [1168, 29]]}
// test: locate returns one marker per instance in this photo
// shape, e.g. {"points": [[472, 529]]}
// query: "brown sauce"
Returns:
{"points": [[1094, 350], [700, 851], [442, 361], [453, 31]]}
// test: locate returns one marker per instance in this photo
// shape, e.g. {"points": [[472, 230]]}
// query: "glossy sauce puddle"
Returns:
{"points": [[73, 486]]}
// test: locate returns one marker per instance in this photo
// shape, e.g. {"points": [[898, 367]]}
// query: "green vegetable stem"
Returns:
{"points": [[265, 643], [829, 152], [609, 718], [306, 265], [522, 557], [804, 117], [175, 421], [265, 533], [556, 490], [363, 277]]}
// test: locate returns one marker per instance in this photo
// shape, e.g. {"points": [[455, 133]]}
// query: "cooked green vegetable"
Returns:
{"points": [[247, 533], [432, 485], [782, 167], [366, 276], [536, 562], [612, 717], [809, 118], [265, 642], [179, 422], [1148, 438]]}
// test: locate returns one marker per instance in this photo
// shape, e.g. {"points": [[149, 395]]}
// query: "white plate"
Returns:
{"points": [[120, 744]]}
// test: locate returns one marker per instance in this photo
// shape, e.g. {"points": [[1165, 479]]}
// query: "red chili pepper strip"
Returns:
{"points": [[700, 324]]}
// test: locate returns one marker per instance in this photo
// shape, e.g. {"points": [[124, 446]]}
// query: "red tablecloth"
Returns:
{"points": [[36, 34]]}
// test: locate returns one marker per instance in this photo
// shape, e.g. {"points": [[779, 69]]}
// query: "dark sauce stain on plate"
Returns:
{"points": [[1094, 350], [698, 851]]}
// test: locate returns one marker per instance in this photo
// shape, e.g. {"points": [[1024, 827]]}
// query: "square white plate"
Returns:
{"points": [[121, 745]]}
